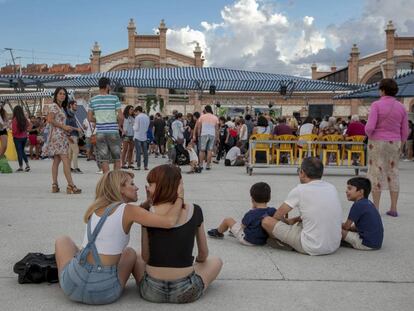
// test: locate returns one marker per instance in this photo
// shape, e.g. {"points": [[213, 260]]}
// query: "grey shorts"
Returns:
{"points": [[108, 147], [184, 290], [90, 284], [207, 142]]}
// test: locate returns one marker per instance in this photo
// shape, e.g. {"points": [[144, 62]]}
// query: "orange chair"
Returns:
{"points": [[303, 146], [358, 149], [284, 148], [261, 147], [332, 148]]}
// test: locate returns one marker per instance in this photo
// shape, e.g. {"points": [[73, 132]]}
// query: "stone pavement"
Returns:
{"points": [[252, 277]]}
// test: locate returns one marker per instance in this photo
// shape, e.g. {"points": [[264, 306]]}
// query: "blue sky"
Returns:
{"points": [[71, 27], [243, 33]]}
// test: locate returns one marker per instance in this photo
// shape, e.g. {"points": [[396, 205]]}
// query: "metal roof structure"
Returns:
{"points": [[405, 83], [196, 78]]}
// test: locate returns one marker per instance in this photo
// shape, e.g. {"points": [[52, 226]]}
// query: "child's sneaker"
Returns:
{"points": [[215, 234]]}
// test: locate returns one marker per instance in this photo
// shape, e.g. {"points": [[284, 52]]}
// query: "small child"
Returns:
{"points": [[363, 229], [193, 158], [249, 231]]}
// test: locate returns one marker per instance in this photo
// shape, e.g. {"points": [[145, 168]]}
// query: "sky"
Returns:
{"points": [[281, 36]]}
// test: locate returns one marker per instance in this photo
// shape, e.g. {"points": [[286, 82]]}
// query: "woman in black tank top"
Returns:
{"points": [[171, 274]]}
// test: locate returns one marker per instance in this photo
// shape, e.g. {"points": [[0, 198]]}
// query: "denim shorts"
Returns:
{"points": [[184, 290], [128, 138], [90, 284], [207, 142], [108, 147]]}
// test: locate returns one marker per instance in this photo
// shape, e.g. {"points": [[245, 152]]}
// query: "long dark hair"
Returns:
{"points": [[65, 102], [3, 114], [20, 118], [126, 111]]}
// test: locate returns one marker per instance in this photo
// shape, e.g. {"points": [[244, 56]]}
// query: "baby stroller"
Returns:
{"points": [[176, 152]]}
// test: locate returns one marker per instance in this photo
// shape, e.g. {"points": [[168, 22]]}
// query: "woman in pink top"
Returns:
{"points": [[20, 126], [387, 128]]}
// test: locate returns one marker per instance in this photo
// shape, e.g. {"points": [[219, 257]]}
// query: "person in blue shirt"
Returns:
{"points": [[249, 231], [363, 229]]}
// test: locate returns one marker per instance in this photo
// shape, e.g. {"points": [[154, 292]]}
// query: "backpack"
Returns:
{"points": [[37, 268]]}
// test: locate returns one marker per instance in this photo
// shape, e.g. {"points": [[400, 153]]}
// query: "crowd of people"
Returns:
{"points": [[165, 270]]}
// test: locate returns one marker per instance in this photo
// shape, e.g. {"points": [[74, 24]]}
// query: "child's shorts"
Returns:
{"points": [[355, 240], [238, 232], [90, 284]]}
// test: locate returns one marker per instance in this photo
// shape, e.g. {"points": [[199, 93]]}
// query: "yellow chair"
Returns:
{"points": [[358, 149], [261, 147], [304, 148], [332, 148], [284, 148]]}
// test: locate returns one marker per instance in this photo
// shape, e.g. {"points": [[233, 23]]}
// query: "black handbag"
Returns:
{"points": [[37, 268]]}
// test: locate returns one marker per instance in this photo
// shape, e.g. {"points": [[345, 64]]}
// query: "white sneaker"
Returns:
{"points": [[99, 172]]}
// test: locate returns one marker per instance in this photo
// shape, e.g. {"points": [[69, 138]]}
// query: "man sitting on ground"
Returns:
{"points": [[363, 229], [317, 229], [249, 231], [234, 156]]}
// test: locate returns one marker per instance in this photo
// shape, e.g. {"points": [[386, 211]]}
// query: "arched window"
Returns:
{"points": [[375, 78]]}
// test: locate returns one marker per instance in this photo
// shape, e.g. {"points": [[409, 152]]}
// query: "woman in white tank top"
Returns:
{"points": [[104, 253]]}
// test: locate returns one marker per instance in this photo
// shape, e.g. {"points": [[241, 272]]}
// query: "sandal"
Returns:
{"points": [[55, 188], [72, 189], [392, 213]]}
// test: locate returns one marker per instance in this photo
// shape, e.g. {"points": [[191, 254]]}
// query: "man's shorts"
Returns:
{"points": [[289, 234], [207, 142], [355, 240], [238, 232], [108, 147]]}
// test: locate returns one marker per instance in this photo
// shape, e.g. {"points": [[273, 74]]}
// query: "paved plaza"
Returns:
{"points": [[253, 278]]}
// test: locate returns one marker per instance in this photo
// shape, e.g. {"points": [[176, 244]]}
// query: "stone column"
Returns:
{"points": [[197, 55], [95, 58], [314, 70], [131, 92], [163, 43], [389, 66]]}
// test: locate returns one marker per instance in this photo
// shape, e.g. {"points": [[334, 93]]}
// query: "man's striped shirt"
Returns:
{"points": [[105, 109]]}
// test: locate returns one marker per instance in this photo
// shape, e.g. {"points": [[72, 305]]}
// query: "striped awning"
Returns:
{"points": [[13, 80], [27, 96], [196, 78], [30, 95], [405, 83]]}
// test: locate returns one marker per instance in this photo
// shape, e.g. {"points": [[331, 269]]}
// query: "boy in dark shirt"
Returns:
{"points": [[249, 231], [363, 229]]}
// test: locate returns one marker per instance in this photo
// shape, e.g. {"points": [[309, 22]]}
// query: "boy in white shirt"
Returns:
{"points": [[234, 156]]}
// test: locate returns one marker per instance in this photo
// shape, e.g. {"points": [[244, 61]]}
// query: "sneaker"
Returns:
{"points": [[131, 167], [124, 167], [215, 234], [136, 168], [99, 172], [208, 167], [163, 156], [78, 171], [27, 169], [145, 168], [190, 172], [20, 169], [156, 156], [216, 162], [275, 243], [72, 170]]}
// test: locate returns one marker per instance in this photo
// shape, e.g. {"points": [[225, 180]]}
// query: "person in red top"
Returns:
{"points": [[282, 128], [355, 127], [20, 125]]}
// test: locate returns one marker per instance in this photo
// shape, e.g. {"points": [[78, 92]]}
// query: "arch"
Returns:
{"points": [[120, 67], [148, 57], [371, 73], [377, 69]]}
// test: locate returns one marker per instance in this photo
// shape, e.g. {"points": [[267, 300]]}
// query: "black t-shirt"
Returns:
{"points": [[173, 247], [223, 132], [159, 127]]}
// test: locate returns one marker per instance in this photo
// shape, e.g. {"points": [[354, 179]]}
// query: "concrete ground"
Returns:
{"points": [[252, 277]]}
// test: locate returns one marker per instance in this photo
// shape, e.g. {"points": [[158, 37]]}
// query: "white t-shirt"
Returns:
{"points": [[233, 153], [321, 212], [306, 128], [243, 132]]}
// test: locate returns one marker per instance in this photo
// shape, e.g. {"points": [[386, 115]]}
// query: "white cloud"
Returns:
{"points": [[253, 35]]}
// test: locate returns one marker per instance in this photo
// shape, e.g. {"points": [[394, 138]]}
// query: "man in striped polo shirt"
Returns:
{"points": [[105, 110]]}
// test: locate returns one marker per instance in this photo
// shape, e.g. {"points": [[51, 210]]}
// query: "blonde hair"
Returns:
{"points": [[108, 191]]}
